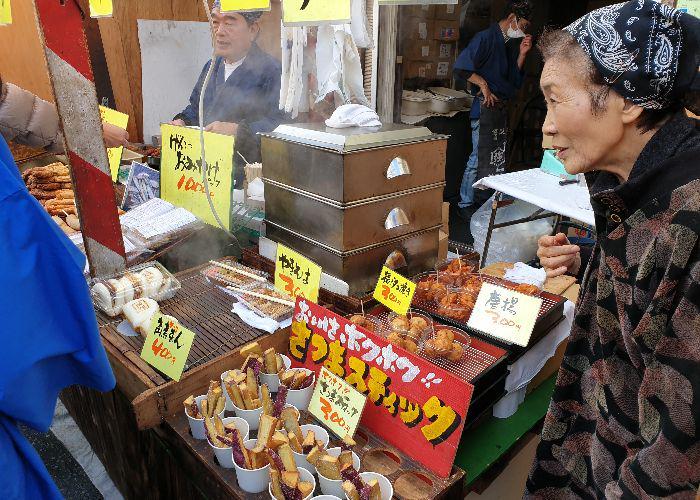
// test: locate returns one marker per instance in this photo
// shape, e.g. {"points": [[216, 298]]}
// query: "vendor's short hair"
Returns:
{"points": [[559, 43], [521, 8]]}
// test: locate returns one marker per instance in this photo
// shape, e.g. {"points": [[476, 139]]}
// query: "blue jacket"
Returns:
{"points": [[49, 338], [491, 58], [250, 98]]}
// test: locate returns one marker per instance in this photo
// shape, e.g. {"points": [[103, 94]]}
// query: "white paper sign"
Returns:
{"points": [[505, 314]]}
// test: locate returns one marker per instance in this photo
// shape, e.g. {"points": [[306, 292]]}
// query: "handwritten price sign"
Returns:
{"points": [[101, 8], [296, 275], [244, 5], [5, 12], [167, 346], [336, 404], [505, 314], [315, 12], [120, 120], [394, 291]]}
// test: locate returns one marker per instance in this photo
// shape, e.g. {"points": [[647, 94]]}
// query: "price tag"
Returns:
{"points": [[167, 345], [394, 291], [244, 5], [101, 8], [336, 404], [315, 12], [505, 314], [120, 120], [296, 275], [5, 12]]}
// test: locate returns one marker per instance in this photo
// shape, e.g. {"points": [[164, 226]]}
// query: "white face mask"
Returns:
{"points": [[515, 33]]}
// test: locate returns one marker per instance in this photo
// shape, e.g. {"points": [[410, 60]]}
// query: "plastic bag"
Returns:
{"points": [[517, 243], [359, 25]]}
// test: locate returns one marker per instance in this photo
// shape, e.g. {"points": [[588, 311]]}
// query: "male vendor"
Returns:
{"points": [[242, 98], [496, 68]]}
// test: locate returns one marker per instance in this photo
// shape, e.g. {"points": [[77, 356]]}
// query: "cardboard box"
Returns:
{"points": [[445, 30], [430, 50], [418, 28], [424, 11], [448, 12], [443, 246], [446, 217], [420, 69]]}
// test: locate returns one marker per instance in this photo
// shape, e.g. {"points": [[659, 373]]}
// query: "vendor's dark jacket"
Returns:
{"points": [[624, 421], [250, 98]]}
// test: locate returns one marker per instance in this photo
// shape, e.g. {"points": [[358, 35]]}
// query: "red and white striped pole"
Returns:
{"points": [[60, 25]]}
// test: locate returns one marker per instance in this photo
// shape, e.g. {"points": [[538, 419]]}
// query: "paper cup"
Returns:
{"points": [[252, 481], [384, 484], [273, 380], [300, 398], [334, 487], [304, 475], [250, 416], [225, 455], [197, 424], [321, 434], [326, 497]]}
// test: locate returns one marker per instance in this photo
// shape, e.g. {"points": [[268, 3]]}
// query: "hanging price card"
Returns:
{"points": [[244, 5], [336, 404], [315, 12], [505, 314], [5, 12], [120, 120], [296, 275], [101, 8], [167, 345], [394, 291]]}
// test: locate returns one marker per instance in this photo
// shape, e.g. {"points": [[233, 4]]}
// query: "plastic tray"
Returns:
{"points": [[223, 277], [135, 288], [275, 311]]}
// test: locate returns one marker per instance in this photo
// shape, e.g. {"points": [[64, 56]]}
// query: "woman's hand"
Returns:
{"points": [[115, 136], [558, 256]]}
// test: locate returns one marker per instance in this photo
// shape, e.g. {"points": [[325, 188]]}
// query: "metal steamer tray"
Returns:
{"points": [[551, 313]]}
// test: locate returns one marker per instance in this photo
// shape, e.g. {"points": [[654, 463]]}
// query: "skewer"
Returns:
{"points": [[238, 271], [261, 296]]}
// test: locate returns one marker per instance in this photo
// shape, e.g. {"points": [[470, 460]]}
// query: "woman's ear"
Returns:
{"points": [[631, 112]]}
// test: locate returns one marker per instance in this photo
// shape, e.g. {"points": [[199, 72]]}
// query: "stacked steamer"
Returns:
{"points": [[351, 199], [51, 186]]}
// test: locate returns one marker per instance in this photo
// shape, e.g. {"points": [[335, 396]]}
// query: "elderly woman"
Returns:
{"points": [[624, 421]]}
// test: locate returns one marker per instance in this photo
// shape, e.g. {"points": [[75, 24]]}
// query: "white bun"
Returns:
{"points": [[153, 279], [139, 313], [103, 298]]}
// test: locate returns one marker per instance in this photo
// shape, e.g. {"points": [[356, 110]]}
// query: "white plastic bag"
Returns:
{"points": [[359, 25], [516, 243]]}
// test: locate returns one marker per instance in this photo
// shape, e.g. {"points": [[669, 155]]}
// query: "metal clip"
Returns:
{"points": [[396, 218], [397, 168]]}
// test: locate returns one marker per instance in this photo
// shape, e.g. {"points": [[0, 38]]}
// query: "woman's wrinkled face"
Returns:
{"points": [[584, 140]]}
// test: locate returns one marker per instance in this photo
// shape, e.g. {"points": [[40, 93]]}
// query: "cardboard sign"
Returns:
{"points": [[411, 403], [394, 291], [296, 275], [167, 345], [181, 172], [336, 404], [505, 314], [244, 5], [120, 120], [692, 7], [315, 12], [5, 12], [101, 8]]}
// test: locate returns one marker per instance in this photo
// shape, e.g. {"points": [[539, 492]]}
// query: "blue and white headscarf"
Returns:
{"points": [[645, 50]]}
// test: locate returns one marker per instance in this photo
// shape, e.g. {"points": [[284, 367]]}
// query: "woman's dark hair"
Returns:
{"points": [[556, 43], [521, 8]]}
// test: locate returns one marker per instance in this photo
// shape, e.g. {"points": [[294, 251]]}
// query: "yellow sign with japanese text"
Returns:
{"points": [[505, 314], [101, 8], [244, 5], [315, 12], [336, 404], [167, 345], [181, 181], [5, 12], [394, 291], [296, 275], [120, 120]]}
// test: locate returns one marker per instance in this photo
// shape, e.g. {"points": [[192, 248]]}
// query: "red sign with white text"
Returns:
{"points": [[411, 403]]}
